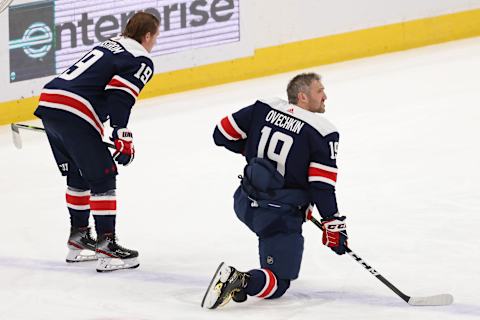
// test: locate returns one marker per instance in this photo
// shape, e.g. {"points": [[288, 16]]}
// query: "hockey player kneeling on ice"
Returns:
{"points": [[291, 152], [102, 85]]}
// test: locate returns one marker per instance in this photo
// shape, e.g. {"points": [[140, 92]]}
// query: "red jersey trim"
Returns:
{"points": [[73, 103]]}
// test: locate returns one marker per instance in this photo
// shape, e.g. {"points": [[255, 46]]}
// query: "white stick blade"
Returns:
{"points": [[17, 140], [438, 300], [4, 4]]}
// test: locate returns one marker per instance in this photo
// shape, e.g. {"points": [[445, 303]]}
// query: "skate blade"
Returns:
{"points": [[84, 255], [113, 264], [214, 288]]}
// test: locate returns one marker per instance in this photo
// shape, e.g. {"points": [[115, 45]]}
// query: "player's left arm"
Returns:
{"points": [[231, 131]]}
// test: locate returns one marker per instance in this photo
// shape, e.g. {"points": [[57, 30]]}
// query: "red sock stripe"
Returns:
{"points": [[78, 200], [270, 285], [103, 205]]}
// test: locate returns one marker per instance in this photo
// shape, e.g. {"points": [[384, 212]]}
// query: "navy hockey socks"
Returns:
{"points": [[264, 284], [104, 210], [104, 224], [78, 204]]}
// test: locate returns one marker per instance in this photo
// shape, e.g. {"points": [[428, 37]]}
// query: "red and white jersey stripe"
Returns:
{"points": [[119, 83], [71, 102], [229, 128], [103, 205], [270, 284], [322, 173], [78, 200]]}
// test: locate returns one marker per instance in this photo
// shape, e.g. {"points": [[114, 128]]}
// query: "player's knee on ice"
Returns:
{"points": [[282, 287], [261, 286]]}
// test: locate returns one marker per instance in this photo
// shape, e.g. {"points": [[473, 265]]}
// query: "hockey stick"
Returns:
{"points": [[17, 139], [4, 4], [436, 300]]}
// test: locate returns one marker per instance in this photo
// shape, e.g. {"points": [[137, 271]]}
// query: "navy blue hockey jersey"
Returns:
{"points": [[102, 85], [303, 145]]}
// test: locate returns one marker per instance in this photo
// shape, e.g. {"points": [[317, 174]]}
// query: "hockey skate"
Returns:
{"points": [[227, 283], [81, 245], [112, 256]]}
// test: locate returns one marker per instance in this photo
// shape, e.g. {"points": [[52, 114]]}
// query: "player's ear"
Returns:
{"points": [[301, 96], [147, 36]]}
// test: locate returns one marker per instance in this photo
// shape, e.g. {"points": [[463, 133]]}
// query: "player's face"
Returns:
{"points": [[316, 97], [150, 40]]}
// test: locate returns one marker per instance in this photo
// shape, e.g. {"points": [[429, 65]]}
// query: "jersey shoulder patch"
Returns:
{"points": [[318, 122]]}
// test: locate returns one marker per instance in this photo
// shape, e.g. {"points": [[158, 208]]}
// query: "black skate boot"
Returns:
{"points": [[81, 245], [112, 256], [240, 296], [227, 283]]}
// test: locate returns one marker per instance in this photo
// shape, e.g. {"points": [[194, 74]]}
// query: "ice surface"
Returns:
{"points": [[409, 172]]}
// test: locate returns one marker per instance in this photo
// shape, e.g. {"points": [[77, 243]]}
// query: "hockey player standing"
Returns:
{"points": [[102, 85], [291, 152]]}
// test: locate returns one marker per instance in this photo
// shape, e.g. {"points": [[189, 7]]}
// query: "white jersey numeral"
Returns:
{"points": [[279, 157], [81, 66], [144, 73], [333, 149]]}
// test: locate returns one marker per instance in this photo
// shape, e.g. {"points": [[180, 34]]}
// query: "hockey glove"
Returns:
{"points": [[123, 140], [335, 234]]}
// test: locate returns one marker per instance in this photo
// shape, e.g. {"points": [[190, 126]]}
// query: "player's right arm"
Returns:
{"points": [[231, 132], [322, 177], [322, 174], [131, 75]]}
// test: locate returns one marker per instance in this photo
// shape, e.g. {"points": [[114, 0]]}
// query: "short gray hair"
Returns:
{"points": [[300, 83]]}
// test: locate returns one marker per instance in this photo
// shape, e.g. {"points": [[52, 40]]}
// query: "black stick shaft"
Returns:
{"points": [[369, 268]]}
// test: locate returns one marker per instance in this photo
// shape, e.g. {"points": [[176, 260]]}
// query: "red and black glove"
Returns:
{"points": [[335, 234], [123, 140]]}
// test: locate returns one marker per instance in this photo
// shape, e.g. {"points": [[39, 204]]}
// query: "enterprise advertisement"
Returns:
{"points": [[46, 37]]}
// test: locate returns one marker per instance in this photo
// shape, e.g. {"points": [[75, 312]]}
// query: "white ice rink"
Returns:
{"points": [[409, 182]]}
